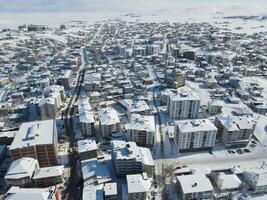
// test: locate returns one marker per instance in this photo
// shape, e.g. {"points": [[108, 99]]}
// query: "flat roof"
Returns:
{"points": [[194, 183], [195, 125], [22, 167], [34, 133], [47, 172], [142, 123], [16, 193], [86, 145], [138, 183], [108, 116], [110, 189]]}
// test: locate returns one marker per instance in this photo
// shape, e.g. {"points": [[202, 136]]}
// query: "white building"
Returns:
{"points": [[128, 158], [235, 131], [141, 129], [87, 149], [92, 81], [138, 186], [196, 186], [21, 171], [193, 135], [109, 122], [183, 104], [110, 191], [257, 180], [16, 193], [86, 118]]}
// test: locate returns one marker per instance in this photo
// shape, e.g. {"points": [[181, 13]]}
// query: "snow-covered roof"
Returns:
{"points": [[47, 172], [228, 181], [138, 183], [22, 167], [195, 125], [129, 150], [34, 133], [86, 114], [108, 116], [110, 189], [182, 94], [86, 145], [235, 123], [16, 193], [142, 123], [194, 183]]}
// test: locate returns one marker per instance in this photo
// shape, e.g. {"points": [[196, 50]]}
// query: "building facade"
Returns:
{"points": [[193, 135]]}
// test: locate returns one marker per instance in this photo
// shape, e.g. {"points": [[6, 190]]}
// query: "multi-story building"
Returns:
{"points": [[86, 118], [128, 158], [183, 104], [110, 191], [92, 81], [193, 135], [141, 129], [15, 193], [46, 108], [21, 171], [87, 149], [235, 131], [138, 186], [175, 78], [65, 79], [257, 180], [36, 140], [196, 186], [109, 122], [47, 176]]}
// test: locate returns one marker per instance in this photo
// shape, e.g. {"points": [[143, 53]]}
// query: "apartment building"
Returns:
{"points": [[257, 180], [46, 108], [20, 172], [109, 122], [15, 193], [183, 104], [36, 140], [235, 131], [128, 158], [47, 176], [141, 129], [86, 118], [194, 135], [175, 78], [87, 149], [92, 81], [196, 186], [65, 79], [138, 186], [110, 191]]}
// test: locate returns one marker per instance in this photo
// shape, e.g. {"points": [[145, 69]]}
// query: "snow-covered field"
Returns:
{"points": [[54, 13]]}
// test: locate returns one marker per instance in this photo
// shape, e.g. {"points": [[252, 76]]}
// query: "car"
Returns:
{"points": [[240, 151], [247, 150]]}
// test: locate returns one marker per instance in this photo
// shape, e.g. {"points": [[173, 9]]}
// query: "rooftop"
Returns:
{"points": [[195, 183], [20, 168], [108, 116], [196, 125], [34, 133], [110, 189], [86, 145], [138, 183], [47, 172]]}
